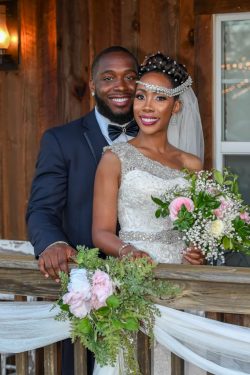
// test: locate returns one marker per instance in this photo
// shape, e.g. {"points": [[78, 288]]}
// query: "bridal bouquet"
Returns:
{"points": [[209, 212], [107, 300]]}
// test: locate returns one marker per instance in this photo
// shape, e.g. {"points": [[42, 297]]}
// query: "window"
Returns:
{"points": [[232, 96]]}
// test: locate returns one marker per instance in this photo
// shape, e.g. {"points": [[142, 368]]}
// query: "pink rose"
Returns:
{"points": [[79, 293], [78, 305], [220, 211], [176, 205], [245, 217], [102, 288]]}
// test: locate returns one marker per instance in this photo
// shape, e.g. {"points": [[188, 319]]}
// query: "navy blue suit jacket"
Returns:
{"points": [[60, 205]]}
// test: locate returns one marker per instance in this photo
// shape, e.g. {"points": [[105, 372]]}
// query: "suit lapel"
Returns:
{"points": [[93, 136]]}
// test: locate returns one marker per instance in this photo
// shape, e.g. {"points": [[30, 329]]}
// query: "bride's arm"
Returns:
{"points": [[105, 209]]}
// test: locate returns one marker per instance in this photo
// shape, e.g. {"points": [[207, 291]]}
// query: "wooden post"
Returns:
{"points": [[22, 363], [50, 359], [177, 365], [144, 353], [39, 359], [80, 358]]}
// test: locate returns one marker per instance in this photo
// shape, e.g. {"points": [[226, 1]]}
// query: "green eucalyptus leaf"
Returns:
{"points": [[131, 324], [227, 243], [85, 326], [117, 324], [64, 307], [157, 200], [103, 311], [158, 213], [113, 301], [218, 176]]}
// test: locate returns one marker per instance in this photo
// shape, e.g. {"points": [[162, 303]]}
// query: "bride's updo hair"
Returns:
{"points": [[158, 62]]}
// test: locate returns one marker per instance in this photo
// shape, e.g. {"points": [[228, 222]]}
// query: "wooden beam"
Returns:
{"points": [[220, 274], [222, 6], [210, 296], [203, 81], [218, 289]]}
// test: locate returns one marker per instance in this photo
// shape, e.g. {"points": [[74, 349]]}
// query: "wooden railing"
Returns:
{"points": [[207, 288]]}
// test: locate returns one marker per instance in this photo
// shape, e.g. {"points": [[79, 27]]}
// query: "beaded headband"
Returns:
{"points": [[164, 90]]}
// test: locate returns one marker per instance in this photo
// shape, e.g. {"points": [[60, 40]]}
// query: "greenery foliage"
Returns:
{"points": [[113, 327]]}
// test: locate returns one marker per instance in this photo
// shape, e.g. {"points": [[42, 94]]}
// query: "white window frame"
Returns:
{"points": [[220, 147]]}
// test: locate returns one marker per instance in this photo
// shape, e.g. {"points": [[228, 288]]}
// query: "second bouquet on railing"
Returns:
{"points": [[107, 302], [209, 213]]}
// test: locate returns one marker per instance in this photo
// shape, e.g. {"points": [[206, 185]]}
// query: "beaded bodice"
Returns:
{"points": [[142, 178]]}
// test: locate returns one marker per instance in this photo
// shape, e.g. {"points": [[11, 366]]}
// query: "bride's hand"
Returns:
{"points": [[133, 253], [193, 256]]}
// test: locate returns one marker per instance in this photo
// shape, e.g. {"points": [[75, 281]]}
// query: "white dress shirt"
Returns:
{"points": [[103, 123]]}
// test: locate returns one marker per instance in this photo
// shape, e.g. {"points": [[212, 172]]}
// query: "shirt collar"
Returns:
{"points": [[104, 122]]}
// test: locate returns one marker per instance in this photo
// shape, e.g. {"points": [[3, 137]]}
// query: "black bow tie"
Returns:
{"points": [[130, 129]]}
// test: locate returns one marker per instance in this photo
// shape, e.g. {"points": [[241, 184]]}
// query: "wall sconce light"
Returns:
{"points": [[9, 36]]}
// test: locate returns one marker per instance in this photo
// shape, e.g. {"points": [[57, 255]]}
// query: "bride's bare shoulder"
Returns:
{"points": [[191, 162], [109, 156]]}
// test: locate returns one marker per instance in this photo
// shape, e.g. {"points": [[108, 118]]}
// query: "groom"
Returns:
{"points": [[59, 214]]}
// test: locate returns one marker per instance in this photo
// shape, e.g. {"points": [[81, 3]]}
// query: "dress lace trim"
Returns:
{"points": [[132, 159]]}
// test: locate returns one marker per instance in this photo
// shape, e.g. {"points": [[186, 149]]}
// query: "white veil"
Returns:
{"points": [[185, 128]]}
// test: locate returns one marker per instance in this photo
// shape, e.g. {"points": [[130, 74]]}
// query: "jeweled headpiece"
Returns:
{"points": [[164, 90], [177, 74]]}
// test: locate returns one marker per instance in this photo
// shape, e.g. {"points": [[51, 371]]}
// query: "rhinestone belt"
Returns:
{"points": [[165, 236]]}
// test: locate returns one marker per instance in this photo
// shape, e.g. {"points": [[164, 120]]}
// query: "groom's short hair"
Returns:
{"points": [[108, 50]]}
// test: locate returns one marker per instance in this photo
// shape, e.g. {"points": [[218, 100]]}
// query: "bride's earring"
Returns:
{"points": [[92, 93], [173, 120]]}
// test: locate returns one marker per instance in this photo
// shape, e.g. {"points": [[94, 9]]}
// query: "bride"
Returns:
{"points": [[130, 173]]}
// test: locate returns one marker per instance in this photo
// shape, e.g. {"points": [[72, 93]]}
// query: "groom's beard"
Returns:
{"points": [[120, 118]]}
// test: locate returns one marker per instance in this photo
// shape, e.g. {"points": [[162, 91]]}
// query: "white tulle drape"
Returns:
{"points": [[29, 325], [220, 348], [185, 132]]}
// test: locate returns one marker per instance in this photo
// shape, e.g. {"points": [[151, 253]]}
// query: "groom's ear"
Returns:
{"points": [[176, 107], [91, 86]]}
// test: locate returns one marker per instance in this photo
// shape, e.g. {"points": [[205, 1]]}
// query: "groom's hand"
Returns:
{"points": [[193, 256], [55, 259]]}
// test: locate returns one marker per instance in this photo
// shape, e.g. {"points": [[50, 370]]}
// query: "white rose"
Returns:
{"points": [[217, 228], [79, 282]]}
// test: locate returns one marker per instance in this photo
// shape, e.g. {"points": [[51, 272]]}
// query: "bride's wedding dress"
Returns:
{"points": [[142, 178]]}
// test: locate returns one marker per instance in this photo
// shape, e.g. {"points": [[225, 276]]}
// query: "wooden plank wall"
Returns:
{"points": [[59, 39]]}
